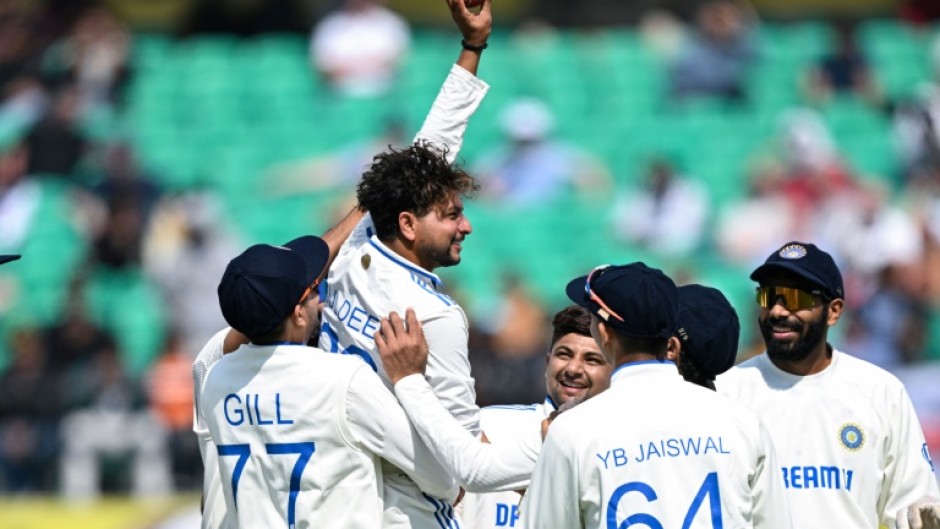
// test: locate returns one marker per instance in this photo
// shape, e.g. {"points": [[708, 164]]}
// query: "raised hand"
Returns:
{"points": [[475, 26]]}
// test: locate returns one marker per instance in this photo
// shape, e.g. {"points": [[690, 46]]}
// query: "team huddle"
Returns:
{"points": [[646, 422]]}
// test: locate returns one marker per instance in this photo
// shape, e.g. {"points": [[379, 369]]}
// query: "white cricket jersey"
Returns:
{"points": [[850, 449], [500, 424], [300, 435], [658, 452], [213, 510], [367, 281]]}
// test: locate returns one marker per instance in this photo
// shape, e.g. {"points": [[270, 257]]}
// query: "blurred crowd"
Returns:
{"points": [[76, 417]]}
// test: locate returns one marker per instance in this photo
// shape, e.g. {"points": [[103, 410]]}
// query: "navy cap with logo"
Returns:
{"points": [[808, 262], [8, 258], [638, 300], [261, 287], [708, 329]]}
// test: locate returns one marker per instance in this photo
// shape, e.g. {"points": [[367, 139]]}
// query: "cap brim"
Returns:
{"points": [[761, 272], [8, 258], [315, 253], [575, 291]]}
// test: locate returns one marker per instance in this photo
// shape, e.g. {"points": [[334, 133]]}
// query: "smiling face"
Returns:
{"points": [[440, 233], [576, 369], [793, 334]]}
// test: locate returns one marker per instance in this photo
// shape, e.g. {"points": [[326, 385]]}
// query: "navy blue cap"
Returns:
{"points": [[808, 262], [261, 287], [708, 329], [8, 258], [646, 299]]}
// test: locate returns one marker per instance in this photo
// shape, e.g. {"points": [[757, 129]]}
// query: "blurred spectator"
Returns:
{"points": [[531, 168], [917, 127], [19, 196], [667, 216], [170, 392], [890, 328], [716, 57], [30, 407], [844, 71], [124, 181], [188, 233], [56, 144], [813, 168], [508, 359], [113, 427], [94, 58], [870, 233], [359, 47], [18, 47], [74, 344], [920, 11], [749, 229]]}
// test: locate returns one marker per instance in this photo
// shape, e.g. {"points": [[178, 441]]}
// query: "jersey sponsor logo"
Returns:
{"points": [[506, 515], [926, 453], [793, 251], [852, 437], [813, 477], [663, 448]]}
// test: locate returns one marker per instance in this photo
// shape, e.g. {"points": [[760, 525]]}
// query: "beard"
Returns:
{"points": [[440, 256], [796, 350]]}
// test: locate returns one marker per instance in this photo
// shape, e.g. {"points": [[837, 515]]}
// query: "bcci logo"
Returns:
{"points": [[852, 437], [793, 251]]}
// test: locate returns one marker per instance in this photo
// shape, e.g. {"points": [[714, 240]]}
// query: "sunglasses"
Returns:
{"points": [[793, 298], [605, 312]]}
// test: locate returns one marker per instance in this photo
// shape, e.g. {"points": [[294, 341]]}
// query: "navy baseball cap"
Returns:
{"points": [[261, 287], [8, 258], [638, 300], [808, 262], [708, 329]]}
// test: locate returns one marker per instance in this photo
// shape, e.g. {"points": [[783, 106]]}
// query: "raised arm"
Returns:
{"points": [[462, 91]]}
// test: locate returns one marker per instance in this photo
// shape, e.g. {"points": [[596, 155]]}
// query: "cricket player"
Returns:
{"points": [[652, 450], [576, 370], [705, 344], [851, 451], [444, 126], [300, 434]]}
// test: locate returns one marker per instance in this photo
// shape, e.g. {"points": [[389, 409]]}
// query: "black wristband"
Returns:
{"points": [[471, 47]]}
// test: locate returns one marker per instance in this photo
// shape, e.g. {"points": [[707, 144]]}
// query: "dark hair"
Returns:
{"points": [[415, 179], [571, 320], [691, 373]]}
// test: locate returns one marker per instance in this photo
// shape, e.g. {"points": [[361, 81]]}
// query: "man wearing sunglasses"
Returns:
{"points": [[851, 451], [652, 450]]}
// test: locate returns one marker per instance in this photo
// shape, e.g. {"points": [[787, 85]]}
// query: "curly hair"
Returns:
{"points": [[415, 179]]}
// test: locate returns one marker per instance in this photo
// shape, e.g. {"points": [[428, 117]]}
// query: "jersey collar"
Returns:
{"points": [[643, 367], [411, 267]]}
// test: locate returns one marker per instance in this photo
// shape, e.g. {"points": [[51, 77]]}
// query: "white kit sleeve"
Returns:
{"points": [[458, 99], [448, 369], [478, 466], [379, 425], [908, 473]]}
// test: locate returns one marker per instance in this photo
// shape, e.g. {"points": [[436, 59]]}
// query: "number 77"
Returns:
{"points": [[243, 451]]}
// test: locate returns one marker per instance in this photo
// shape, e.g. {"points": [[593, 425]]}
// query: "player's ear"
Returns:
{"points": [[407, 225], [673, 348], [834, 312]]}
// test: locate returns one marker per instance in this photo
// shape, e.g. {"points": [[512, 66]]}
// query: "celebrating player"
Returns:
{"points": [[652, 450], [444, 126], [705, 344], [576, 370], [299, 432], [851, 450]]}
